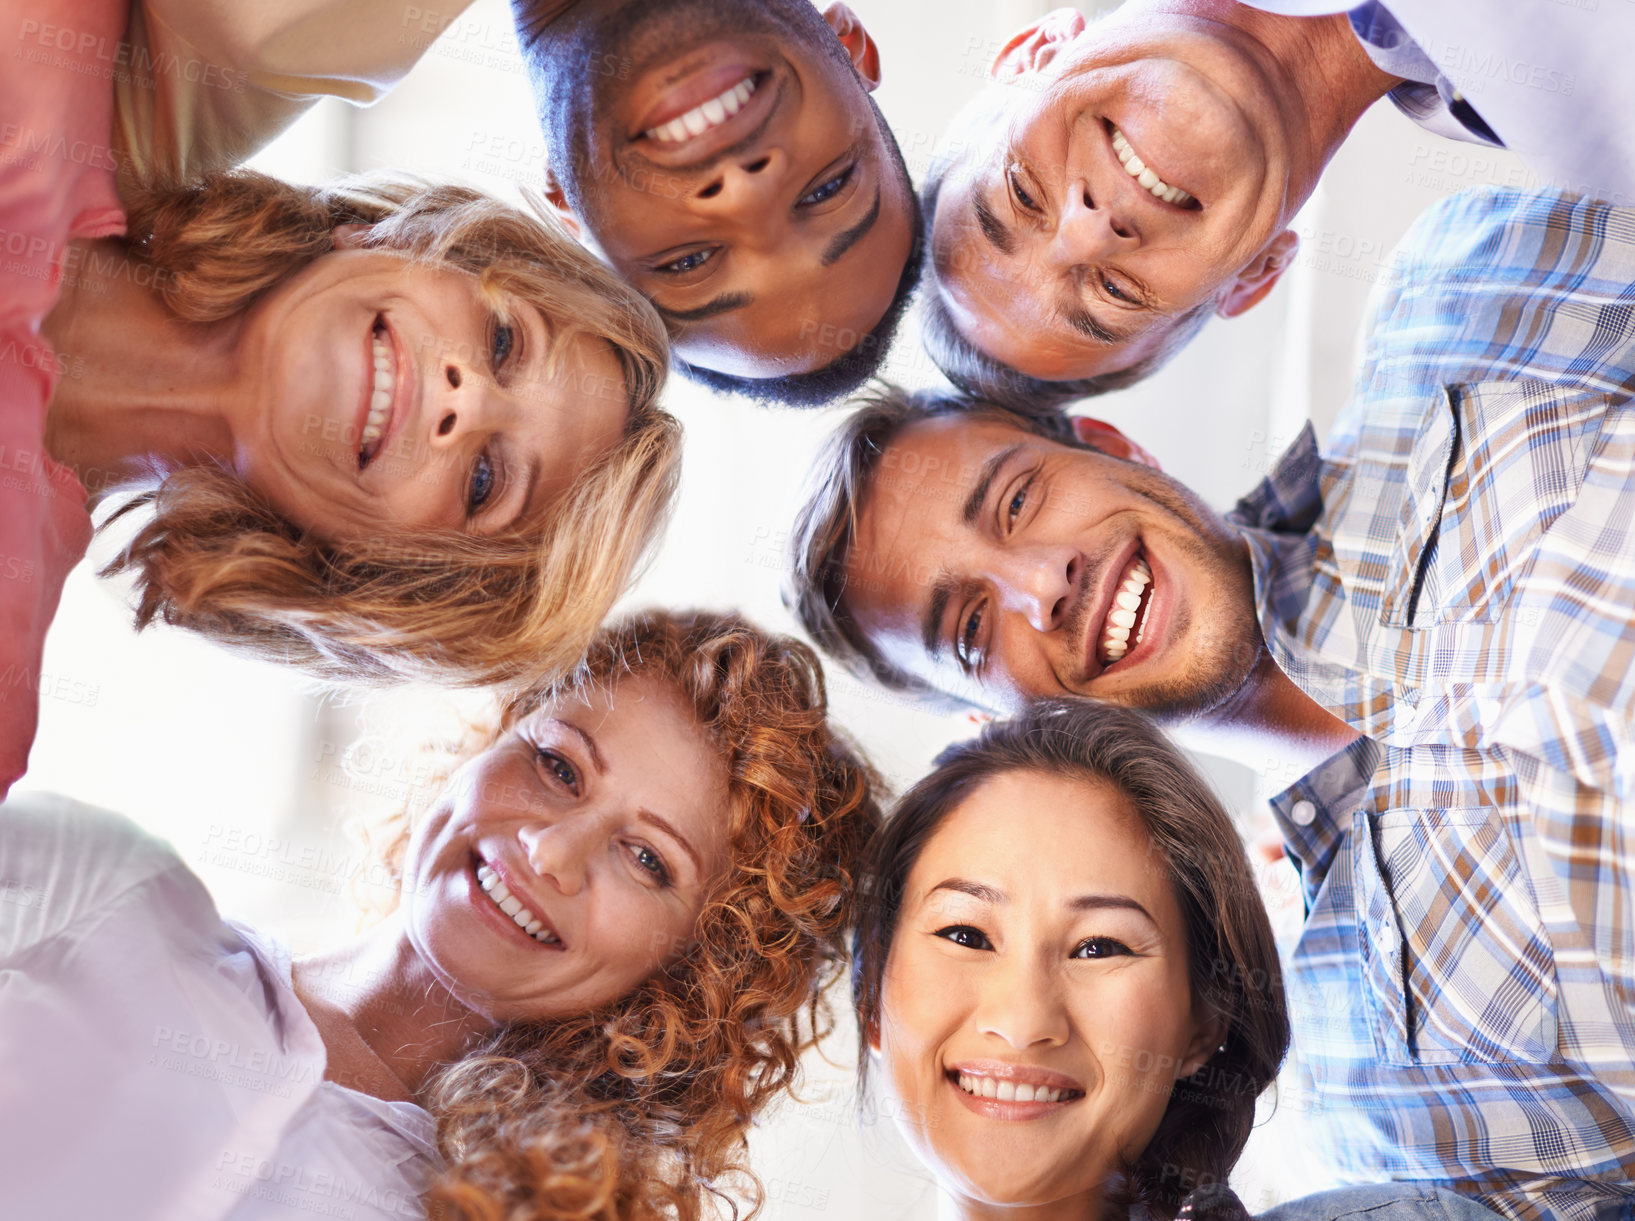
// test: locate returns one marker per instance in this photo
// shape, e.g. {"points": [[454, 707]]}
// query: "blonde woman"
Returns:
{"points": [[615, 920], [378, 430]]}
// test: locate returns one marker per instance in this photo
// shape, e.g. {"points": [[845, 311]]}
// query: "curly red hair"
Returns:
{"points": [[639, 1109]]}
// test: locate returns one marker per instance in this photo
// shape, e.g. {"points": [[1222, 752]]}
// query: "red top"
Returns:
{"points": [[56, 184]]}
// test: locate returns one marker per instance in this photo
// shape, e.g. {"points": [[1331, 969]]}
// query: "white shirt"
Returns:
{"points": [[154, 1058], [1551, 80]]}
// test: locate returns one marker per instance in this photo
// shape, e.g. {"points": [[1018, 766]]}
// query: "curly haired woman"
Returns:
{"points": [[615, 922], [377, 430]]}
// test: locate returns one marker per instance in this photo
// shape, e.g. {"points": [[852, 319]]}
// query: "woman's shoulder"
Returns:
{"points": [[62, 860]]}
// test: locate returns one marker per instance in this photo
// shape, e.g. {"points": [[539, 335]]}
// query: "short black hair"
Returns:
{"points": [[848, 371]]}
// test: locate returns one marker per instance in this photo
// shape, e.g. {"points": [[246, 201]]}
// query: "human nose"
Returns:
{"points": [[1020, 1001], [745, 188], [467, 402], [1040, 582], [559, 851], [1090, 227]]}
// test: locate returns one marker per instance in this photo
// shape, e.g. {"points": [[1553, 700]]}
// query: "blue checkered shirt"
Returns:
{"points": [[1456, 580]]}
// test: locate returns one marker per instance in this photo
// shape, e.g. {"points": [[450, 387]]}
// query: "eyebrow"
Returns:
{"points": [[724, 304], [992, 227], [664, 825], [590, 745], [942, 589], [846, 240], [1084, 322], [998, 898]]}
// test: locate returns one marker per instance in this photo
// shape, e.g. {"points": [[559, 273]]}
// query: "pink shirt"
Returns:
{"points": [[56, 184]]}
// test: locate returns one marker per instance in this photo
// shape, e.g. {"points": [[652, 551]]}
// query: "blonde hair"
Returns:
{"points": [[639, 1109], [216, 557]]}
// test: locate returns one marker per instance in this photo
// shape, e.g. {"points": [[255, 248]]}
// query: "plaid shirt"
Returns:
{"points": [[1456, 579]]}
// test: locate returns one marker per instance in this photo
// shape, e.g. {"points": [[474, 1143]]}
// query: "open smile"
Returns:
{"points": [[1123, 626], [708, 112], [385, 381], [1012, 1091], [1146, 177], [510, 905]]}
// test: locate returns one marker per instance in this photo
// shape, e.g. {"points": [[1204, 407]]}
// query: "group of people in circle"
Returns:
{"points": [[389, 429]]}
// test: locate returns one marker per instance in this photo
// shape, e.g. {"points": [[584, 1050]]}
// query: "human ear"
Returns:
{"points": [[1100, 435], [350, 237], [865, 56], [1207, 1041], [1032, 47], [1258, 279], [556, 199]]}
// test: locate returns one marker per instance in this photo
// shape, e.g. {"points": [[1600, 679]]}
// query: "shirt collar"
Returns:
{"points": [[1276, 523], [1314, 813]]}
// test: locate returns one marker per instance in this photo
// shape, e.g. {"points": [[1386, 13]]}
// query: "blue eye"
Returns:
{"points": [[1017, 501], [686, 263], [482, 483], [827, 190], [652, 862], [559, 767], [965, 935], [505, 339], [965, 646]]}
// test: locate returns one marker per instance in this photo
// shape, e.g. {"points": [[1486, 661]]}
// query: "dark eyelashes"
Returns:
{"points": [[969, 936], [559, 767], [829, 188]]}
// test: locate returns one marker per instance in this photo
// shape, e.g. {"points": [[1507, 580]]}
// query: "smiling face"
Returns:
{"points": [[569, 861], [1035, 1009], [730, 167], [1133, 171], [384, 396], [999, 566]]}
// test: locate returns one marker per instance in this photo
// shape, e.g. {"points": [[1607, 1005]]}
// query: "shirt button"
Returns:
{"points": [[1303, 813]]}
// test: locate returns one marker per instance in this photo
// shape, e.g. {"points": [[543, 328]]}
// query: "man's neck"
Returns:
{"points": [[1322, 76], [1272, 725]]}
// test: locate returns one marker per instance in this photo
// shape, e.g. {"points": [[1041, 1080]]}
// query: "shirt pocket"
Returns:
{"points": [[1492, 466], [1457, 965]]}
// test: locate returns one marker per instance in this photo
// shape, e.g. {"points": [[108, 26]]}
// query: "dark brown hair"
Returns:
{"points": [[815, 587], [1231, 955]]}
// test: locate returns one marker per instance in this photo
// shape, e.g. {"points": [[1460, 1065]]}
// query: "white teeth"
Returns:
{"points": [[512, 906], [1008, 1091], [380, 396], [1144, 173], [1121, 618], [704, 116]]}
